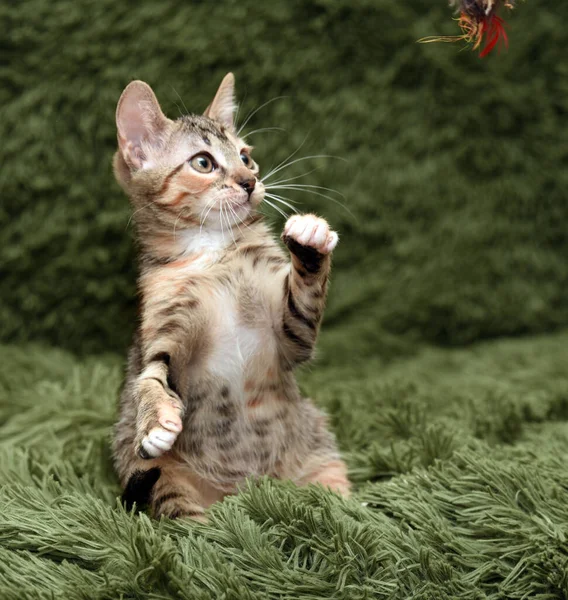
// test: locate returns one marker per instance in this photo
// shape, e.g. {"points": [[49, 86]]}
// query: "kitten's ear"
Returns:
{"points": [[140, 123], [223, 107]]}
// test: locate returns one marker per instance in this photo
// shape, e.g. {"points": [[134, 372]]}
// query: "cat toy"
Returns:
{"points": [[482, 28]]}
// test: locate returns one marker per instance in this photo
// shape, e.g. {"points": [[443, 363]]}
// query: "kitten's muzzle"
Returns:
{"points": [[248, 185]]}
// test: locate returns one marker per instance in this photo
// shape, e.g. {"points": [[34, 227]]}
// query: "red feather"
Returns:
{"points": [[494, 32]]}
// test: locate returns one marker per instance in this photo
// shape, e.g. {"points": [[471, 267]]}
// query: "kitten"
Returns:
{"points": [[210, 396]]}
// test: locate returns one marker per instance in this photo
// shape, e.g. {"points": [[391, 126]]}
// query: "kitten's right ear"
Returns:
{"points": [[140, 123], [223, 107]]}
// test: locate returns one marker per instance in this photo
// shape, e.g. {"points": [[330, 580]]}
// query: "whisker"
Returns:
{"points": [[236, 120], [178, 218], [181, 100], [335, 200], [244, 137], [240, 220], [236, 117], [135, 212], [231, 227], [237, 220], [282, 201], [235, 216], [285, 197], [301, 186], [211, 203], [224, 216], [296, 177], [251, 115], [269, 174], [297, 160], [179, 109], [221, 222], [276, 208]]}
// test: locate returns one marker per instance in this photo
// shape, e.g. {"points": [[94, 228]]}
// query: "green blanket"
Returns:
{"points": [[443, 357], [460, 457]]}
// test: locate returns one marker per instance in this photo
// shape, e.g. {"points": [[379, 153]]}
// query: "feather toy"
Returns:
{"points": [[482, 28]]}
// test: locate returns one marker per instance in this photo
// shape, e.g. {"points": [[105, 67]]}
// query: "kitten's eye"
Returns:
{"points": [[202, 163], [247, 160]]}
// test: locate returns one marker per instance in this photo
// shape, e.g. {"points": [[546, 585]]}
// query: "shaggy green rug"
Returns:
{"points": [[443, 358], [459, 457]]}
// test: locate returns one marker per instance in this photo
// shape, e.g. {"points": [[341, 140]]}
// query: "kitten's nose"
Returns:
{"points": [[248, 184]]}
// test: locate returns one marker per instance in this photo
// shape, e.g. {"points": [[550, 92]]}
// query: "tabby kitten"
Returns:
{"points": [[210, 396]]}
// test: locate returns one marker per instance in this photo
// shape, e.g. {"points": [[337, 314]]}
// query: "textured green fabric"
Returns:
{"points": [[460, 456], [455, 175]]}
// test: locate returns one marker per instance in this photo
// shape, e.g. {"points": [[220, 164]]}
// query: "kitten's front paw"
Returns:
{"points": [[161, 438], [311, 231], [159, 420]]}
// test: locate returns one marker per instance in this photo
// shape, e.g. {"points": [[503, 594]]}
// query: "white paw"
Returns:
{"points": [[309, 230], [158, 441], [161, 438]]}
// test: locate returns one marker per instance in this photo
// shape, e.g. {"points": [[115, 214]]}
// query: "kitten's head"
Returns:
{"points": [[191, 172]]}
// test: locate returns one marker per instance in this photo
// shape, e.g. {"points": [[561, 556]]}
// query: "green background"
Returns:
{"points": [[453, 233], [455, 169]]}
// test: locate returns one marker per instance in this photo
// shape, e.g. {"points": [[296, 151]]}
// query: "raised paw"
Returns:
{"points": [[311, 231]]}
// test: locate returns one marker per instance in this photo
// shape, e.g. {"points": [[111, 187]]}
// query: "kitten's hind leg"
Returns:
{"points": [[169, 488], [176, 493], [331, 473]]}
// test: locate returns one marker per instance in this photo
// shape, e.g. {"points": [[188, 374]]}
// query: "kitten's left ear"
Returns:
{"points": [[222, 109], [140, 122]]}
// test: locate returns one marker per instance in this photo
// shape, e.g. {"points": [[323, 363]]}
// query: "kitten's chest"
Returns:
{"points": [[242, 342]]}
